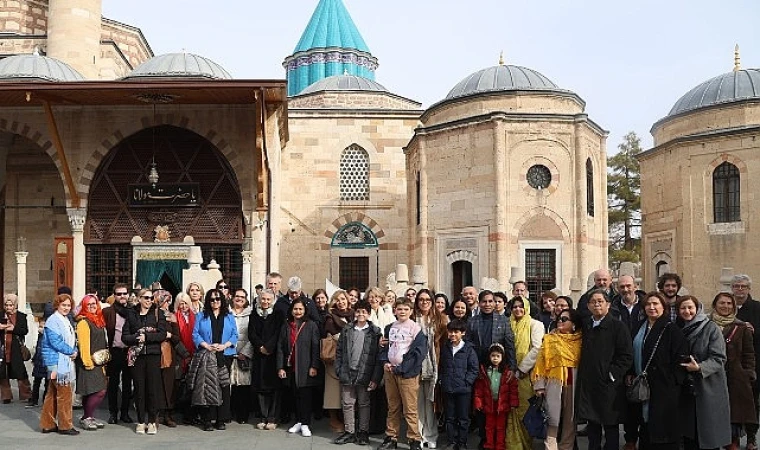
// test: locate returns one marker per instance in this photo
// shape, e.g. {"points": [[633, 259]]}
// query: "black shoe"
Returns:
{"points": [[207, 426], [345, 438], [389, 443], [112, 419], [125, 418], [5, 402], [362, 438], [220, 426], [415, 445], [50, 430], [69, 432]]}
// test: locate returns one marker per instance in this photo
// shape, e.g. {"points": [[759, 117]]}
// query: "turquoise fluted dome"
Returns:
{"points": [[330, 45]]}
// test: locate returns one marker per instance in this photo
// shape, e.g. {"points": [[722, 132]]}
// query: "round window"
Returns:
{"points": [[539, 177]]}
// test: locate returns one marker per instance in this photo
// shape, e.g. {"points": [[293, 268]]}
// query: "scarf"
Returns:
{"points": [[695, 325], [559, 353], [722, 321], [94, 318], [60, 324], [521, 330], [9, 336], [263, 313]]}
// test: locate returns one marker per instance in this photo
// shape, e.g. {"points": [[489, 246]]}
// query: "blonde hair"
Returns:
{"points": [[182, 297], [335, 295], [200, 287]]}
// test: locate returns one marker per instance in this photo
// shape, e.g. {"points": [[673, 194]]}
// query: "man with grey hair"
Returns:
{"points": [[749, 311], [603, 281], [295, 290]]}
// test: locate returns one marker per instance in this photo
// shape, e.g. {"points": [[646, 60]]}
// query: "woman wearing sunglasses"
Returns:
{"points": [[215, 335], [144, 330], [554, 375]]}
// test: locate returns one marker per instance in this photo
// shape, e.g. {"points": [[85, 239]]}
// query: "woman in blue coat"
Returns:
{"points": [[215, 331]]}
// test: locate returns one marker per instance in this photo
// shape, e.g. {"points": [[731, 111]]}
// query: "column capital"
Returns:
{"points": [[77, 217], [21, 257], [247, 256]]}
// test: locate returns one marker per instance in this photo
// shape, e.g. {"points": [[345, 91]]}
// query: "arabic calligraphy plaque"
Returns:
{"points": [[164, 195]]}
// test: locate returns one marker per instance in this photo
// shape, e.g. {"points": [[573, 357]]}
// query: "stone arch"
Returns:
{"points": [[559, 143], [531, 216], [726, 157], [233, 156], [361, 141], [461, 255], [349, 217]]}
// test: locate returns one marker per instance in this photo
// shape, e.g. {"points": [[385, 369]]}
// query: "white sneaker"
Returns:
{"points": [[261, 425], [152, 429], [140, 428], [295, 428], [305, 431]]}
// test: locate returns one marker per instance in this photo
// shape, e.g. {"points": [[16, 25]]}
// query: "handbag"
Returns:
{"points": [[638, 391], [166, 354], [101, 357], [26, 355], [536, 419], [327, 348], [244, 365]]}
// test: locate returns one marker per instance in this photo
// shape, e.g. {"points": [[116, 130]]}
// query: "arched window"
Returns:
{"points": [[354, 174], [726, 193], [589, 188]]}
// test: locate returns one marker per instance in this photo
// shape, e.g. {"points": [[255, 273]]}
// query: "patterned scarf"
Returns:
{"points": [[521, 330], [722, 321], [559, 353], [9, 336]]}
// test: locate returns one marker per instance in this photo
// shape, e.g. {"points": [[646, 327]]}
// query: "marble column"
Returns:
{"points": [[246, 283], [21, 279], [77, 217]]}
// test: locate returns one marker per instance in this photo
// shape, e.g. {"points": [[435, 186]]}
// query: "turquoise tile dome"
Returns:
{"points": [[330, 45]]}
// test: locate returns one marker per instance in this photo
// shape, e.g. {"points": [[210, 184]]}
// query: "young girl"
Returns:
{"points": [[495, 395]]}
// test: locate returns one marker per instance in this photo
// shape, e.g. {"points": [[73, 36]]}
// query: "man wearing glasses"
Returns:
{"points": [[749, 311], [117, 370]]}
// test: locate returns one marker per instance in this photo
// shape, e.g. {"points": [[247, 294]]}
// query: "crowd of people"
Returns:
{"points": [[658, 364]]}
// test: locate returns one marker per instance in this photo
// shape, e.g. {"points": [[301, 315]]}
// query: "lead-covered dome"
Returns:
{"points": [[34, 67], [344, 83], [741, 84], [179, 65], [502, 78]]}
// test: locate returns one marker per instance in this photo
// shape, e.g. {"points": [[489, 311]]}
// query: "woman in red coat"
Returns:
{"points": [[495, 403]]}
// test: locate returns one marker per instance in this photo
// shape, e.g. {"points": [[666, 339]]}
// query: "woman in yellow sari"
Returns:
{"points": [[529, 334], [554, 378]]}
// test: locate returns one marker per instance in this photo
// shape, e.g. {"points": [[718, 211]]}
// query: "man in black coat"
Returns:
{"points": [[749, 311], [295, 291], [603, 282], [606, 357]]}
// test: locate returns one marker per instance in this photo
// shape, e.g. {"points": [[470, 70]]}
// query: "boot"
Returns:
{"points": [[336, 425], [734, 445], [168, 420]]}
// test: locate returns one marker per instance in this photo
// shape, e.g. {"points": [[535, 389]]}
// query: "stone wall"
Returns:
{"points": [[352, 100], [131, 44], [23, 16]]}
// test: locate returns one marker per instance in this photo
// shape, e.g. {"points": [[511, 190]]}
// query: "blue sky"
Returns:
{"points": [[630, 61]]}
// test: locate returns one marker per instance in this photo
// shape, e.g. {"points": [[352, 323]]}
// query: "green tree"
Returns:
{"points": [[624, 198]]}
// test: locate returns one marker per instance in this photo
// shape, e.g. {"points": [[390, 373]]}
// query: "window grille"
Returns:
{"points": [[354, 174], [726, 193]]}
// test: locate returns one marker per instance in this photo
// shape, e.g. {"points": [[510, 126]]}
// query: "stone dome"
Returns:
{"points": [[344, 83], [34, 67], [502, 78], [742, 84], [179, 65]]}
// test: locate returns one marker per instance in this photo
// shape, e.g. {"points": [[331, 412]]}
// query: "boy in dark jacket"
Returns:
{"points": [[458, 372], [39, 370], [401, 359], [359, 372]]}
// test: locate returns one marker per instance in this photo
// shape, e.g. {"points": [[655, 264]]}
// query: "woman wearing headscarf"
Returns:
{"points": [[554, 378], [529, 334], [91, 379], [740, 364], [59, 352], [144, 331], [13, 328], [183, 313], [215, 336], [705, 409]]}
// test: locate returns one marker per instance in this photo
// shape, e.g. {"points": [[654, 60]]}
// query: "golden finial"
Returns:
{"points": [[737, 59], [501, 58]]}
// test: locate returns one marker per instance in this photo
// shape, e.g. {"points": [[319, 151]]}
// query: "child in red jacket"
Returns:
{"points": [[495, 395]]}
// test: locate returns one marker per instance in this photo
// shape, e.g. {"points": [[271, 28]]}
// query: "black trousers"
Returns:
{"points": [[304, 396], [220, 413], [644, 443], [117, 370], [633, 422], [241, 402], [611, 436], [36, 389], [269, 406], [753, 427], [148, 387], [458, 417]]}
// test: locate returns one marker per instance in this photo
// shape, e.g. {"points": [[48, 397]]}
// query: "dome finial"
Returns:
{"points": [[737, 59], [501, 58]]}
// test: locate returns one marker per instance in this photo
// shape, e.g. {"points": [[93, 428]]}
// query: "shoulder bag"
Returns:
{"points": [[327, 349], [26, 355], [638, 391]]}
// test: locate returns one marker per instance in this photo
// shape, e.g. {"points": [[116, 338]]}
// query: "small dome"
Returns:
{"points": [[734, 86], [179, 65], [34, 67], [344, 83], [502, 78]]}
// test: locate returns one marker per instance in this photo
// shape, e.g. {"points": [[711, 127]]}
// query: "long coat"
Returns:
{"points": [[307, 354], [16, 370], [606, 352], [740, 370], [665, 376], [710, 402], [242, 347], [264, 332]]}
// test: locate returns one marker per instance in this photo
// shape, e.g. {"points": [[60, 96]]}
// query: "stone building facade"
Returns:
{"points": [[697, 189]]}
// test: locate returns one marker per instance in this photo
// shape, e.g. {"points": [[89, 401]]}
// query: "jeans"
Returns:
{"points": [[611, 436], [458, 417]]}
